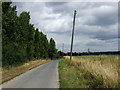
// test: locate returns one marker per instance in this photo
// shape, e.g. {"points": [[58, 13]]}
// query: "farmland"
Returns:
{"points": [[91, 71]]}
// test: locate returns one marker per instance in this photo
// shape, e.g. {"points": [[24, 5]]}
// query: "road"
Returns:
{"points": [[43, 76]]}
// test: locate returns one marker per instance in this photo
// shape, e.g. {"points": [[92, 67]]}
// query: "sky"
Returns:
{"points": [[96, 25]]}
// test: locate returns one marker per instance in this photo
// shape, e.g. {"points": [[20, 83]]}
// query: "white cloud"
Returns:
{"points": [[96, 23]]}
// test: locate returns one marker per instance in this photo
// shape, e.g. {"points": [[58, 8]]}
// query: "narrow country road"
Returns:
{"points": [[44, 76]]}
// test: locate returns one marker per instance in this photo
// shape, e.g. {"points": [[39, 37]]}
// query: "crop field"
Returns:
{"points": [[90, 71]]}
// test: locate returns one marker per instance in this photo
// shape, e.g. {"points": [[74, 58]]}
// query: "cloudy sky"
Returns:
{"points": [[96, 23]]}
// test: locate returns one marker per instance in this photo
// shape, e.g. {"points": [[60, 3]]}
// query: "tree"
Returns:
{"points": [[52, 49], [30, 43], [43, 46], [36, 43], [24, 32], [10, 46], [21, 42]]}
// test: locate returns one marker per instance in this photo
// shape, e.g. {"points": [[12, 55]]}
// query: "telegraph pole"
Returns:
{"points": [[72, 36]]}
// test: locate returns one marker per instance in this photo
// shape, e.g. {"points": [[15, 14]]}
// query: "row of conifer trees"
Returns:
{"points": [[21, 41]]}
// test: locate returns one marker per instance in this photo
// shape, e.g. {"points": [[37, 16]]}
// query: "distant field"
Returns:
{"points": [[92, 71], [98, 57]]}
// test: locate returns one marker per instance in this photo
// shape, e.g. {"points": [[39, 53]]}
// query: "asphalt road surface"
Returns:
{"points": [[43, 76]]}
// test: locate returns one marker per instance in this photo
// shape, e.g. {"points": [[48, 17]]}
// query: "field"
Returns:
{"points": [[94, 71], [9, 73]]}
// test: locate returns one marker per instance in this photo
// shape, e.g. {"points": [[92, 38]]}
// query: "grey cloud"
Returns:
{"points": [[95, 44], [54, 4], [106, 36], [101, 19], [96, 32], [104, 44], [67, 33], [94, 24]]}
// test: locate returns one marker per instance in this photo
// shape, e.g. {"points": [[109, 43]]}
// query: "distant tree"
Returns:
{"points": [[52, 49]]}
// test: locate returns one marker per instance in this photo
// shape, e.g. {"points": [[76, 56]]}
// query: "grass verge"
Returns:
{"points": [[89, 72], [8, 74], [68, 76]]}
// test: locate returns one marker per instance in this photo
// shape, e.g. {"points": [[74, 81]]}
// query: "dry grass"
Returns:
{"points": [[15, 71], [103, 67]]}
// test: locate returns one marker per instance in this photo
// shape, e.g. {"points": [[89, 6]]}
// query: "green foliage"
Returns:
{"points": [[52, 50], [89, 71], [71, 77], [37, 42], [30, 44], [20, 40]]}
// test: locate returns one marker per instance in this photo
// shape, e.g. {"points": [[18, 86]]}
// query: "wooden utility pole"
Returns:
{"points": [[72, 36]]}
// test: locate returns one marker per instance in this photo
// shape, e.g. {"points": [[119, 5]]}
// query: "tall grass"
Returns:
{"points": [[103, 68]]}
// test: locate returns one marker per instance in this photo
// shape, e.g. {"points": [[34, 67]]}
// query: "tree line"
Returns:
{"points": [[21, 41], [89, 53]]}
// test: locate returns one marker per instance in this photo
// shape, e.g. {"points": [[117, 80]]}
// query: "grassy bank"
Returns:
{"points": [[100, 71], [9, 73]]}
